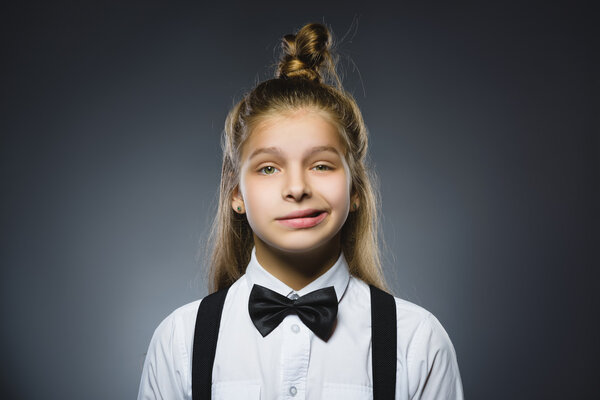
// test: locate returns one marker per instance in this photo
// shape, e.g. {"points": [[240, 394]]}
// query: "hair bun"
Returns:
{"points": [[305, 52]]}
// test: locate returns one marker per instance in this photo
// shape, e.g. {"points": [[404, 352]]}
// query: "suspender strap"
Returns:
{"points": [[383, 331], [384, 341], [205, 343]]}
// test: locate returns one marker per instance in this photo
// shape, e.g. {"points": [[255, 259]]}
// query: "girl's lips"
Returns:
{"points": [[304, 222], [309, 212]]}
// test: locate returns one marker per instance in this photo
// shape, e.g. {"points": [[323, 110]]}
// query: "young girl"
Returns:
{"points": [[299, 307]]}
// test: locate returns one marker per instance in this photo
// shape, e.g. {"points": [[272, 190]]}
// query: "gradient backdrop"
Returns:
{"points": [[484, 133]]}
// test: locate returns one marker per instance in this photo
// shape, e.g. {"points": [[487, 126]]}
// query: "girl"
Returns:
{"points": [[299, 306]]}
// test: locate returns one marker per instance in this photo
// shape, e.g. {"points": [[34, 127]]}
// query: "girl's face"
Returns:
{"points": [[295, 164]]}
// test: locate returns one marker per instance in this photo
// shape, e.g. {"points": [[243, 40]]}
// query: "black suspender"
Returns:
{"points": [[205, 343], [383, 331]]}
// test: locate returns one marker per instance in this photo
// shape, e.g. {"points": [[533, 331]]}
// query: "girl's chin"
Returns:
{"points": [[297, 246]]}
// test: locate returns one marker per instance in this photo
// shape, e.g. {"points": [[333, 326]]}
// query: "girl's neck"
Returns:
{"points": [[297, 269]]}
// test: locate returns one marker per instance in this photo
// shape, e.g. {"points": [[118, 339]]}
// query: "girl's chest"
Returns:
{"points": [[291, 362]]}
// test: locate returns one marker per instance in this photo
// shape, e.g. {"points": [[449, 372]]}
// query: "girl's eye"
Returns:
{"points": [[268, 170], [322, 167]]}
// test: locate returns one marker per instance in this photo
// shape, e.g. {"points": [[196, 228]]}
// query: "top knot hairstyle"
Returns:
{"points": [[306, 53], [306, 64]]}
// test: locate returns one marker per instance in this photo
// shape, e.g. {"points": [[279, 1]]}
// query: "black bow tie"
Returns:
{"points": [[318, 310]]}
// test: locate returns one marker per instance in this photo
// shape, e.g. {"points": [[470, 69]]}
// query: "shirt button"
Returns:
{"points": [[295, 328], [293, 390], [294, 296]]}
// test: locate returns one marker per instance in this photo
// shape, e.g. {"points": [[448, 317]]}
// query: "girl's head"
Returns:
{"points": [[296, 143]]}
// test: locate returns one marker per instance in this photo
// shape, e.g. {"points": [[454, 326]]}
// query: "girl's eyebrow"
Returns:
{"points": [[277, 151]]}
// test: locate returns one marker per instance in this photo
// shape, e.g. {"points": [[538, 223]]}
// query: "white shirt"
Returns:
{"points": [[291, 362]]}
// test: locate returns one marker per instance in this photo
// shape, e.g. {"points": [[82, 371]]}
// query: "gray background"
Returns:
{"points": [[484, 128]]}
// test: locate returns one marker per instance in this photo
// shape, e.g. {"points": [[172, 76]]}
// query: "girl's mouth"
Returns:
{"points": [[307, 221]]}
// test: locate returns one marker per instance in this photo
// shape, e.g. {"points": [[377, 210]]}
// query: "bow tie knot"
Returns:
{"points": [[318, 310]]}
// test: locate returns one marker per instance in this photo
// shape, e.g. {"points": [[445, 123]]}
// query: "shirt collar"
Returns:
{"points": [[337, 276]]}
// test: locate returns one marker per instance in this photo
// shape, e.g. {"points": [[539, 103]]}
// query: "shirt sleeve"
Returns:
{"points": [[432, 365], [164, 368]]}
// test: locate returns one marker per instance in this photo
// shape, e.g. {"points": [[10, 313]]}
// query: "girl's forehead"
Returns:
{"points": [[294, 131]]}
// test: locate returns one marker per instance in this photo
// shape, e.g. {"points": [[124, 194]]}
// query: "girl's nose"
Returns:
{"points": [[296, 186]]}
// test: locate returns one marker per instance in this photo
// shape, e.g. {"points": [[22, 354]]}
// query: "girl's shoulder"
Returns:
{"points": [[180, 324], [406, 311], [425, 352], [420, 335], [177, 328]]}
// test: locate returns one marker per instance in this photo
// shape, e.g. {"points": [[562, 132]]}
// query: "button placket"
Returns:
{"points": [[295, 355]]}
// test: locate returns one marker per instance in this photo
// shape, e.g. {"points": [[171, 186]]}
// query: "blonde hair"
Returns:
{"points": [[300, 82]]}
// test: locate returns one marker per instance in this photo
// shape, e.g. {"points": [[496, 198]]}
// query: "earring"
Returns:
{"points": [[239, 209], [354, 206]]}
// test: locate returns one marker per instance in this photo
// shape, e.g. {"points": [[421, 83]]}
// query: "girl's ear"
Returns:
{"points": [[237, 202], [354, 202]]}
